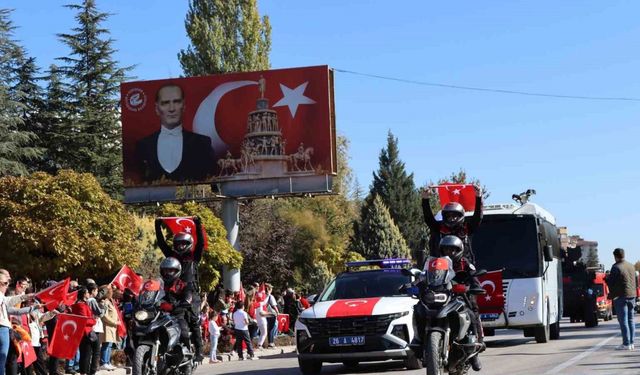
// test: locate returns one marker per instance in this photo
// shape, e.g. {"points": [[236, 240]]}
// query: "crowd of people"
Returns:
{"points": [[25, 325]]}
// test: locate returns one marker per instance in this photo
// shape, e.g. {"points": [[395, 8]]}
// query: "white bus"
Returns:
{"points": [[523, 242]]}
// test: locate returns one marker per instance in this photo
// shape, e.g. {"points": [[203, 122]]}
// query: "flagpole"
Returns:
{"points": [[231, 219]]}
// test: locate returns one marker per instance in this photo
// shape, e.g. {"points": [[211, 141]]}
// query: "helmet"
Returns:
{"points": [[452, 214], [452, 247], [170, 269], [182, 243]]}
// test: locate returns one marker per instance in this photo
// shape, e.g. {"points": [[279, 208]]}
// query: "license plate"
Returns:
{"points": [[492, 316], [346, 341]]}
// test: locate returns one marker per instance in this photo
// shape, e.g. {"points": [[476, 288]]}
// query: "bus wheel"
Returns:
{"points": [[554, 331]]}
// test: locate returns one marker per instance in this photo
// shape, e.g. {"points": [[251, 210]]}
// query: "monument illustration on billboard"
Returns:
{"points": [[224, 130]]}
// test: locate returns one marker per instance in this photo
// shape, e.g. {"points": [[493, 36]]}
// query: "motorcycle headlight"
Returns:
{"points": [[142, 315]]}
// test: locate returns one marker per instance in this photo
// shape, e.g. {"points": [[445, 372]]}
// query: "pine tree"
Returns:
{"points": [[54, 125], [397, 190], [92, 78], [226, 36], [16, 144], [376, 236]]}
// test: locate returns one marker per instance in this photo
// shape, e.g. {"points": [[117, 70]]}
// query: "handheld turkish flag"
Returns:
{"points": [[126, 278], [184, 224], [241, 294], [465, 194], [53, 295], [28, 354], [71, 298], [261, 295], [122, 326], [67, 336], [493, 301], [283, 323]]}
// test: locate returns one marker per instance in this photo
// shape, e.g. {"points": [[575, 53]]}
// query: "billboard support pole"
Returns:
{"points": [[231, 219]]}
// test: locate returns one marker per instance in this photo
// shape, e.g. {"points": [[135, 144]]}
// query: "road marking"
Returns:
{"points": [[557, 369]]}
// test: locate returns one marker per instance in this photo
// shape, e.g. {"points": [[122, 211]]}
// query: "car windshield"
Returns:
{"points": [[508, 242], [366, 284]]}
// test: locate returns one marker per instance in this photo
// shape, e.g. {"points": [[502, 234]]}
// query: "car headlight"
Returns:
{"points": [[142, 315]]}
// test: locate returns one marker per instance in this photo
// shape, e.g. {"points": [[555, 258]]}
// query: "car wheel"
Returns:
{"points": [[309, 367]]}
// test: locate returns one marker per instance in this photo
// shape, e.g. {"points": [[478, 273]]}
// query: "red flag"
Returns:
{"points": [[283, 322], [28, 354], [71, 298], [53, 295], [493, 301], [261, 295], [185, 224], [463, 194], [122, 326], [67, 336], [241, 294], [126, 278]]}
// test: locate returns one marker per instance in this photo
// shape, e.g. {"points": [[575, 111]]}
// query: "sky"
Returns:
{"points": [[581, 156]]}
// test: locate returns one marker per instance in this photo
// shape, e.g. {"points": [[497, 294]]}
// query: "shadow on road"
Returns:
{"points": [[332, 368]]}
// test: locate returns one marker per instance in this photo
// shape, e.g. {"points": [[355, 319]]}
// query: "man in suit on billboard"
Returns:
{"points": [[172, 152]]}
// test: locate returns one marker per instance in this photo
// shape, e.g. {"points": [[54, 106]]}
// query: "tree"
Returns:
{"points": [[376, 236], [56, 226], [54, 125], [226, 36], [219, 252], [92, 80], [398, 192], [16, 144], [592, 259]]}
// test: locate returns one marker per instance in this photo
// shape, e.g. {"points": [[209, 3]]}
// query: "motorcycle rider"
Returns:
{"points": [[453, 247], [453, 222], [179, 295]]}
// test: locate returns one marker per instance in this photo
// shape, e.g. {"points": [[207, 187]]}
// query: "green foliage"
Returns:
{"points": [[226, 36], [54, 226], [376, 236], [146, 239], [398, 192], [17, 144], [219, 251], [92, 134]]}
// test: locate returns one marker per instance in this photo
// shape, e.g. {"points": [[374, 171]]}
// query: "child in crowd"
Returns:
{"points": [[214, 334]]}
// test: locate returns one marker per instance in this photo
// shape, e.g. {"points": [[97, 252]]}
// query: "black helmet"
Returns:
{"points": [[452, 247], [452, 214], [183, 243], [170, 269]]}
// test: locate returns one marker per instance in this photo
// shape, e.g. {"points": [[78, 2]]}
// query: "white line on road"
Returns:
{"points": [[557, 369]]}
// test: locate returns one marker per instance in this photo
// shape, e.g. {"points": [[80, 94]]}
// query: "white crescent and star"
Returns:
{"points": [[186, 228], [355, 303], [293, 98], [492, 285], [121, 280], [204, 121], [69, 323]]}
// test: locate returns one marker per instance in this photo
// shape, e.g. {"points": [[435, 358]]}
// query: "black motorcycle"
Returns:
{"points": [[445, 338], [155, 335]]}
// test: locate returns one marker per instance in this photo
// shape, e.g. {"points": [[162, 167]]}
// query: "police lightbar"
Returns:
{"points": [[382, 263]]}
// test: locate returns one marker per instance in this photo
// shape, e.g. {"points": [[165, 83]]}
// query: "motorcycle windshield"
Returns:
{"points": [[148, 298], [438, 271]]}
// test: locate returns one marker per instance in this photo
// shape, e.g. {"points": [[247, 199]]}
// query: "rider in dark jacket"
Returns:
{"points": [[179, 294], [453, 222]]}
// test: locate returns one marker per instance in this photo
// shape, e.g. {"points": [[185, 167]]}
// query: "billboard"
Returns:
{"points": [[254, 133]]}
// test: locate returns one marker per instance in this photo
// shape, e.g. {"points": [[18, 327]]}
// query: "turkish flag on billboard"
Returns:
{"points": [[187, 225], [126, 278], [53, 295], [67, 336], [284, 117], [493, 301], [28, 354], [283, 323], [465, 194]]}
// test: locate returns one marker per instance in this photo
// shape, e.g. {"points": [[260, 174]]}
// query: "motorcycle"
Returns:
{"points": [[155, 335], [445, 338]]}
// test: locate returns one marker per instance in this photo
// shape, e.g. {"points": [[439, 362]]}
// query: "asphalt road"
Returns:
{"points": [[579, 351]]}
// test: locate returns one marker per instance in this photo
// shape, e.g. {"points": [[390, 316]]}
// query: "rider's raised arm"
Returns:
{"points": [[197, 252], [476, 219], [166, 249], [429, 219]]}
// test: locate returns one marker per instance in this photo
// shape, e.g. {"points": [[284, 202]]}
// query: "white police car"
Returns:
{"points": [[360, 316]]}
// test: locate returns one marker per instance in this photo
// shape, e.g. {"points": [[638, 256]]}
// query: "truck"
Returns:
{"points": [[585, 296]]}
